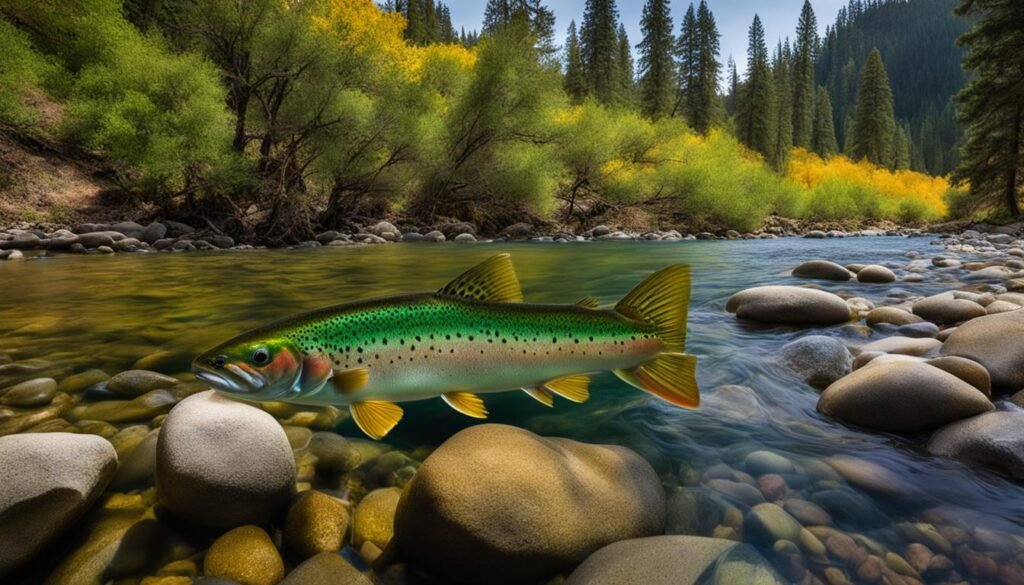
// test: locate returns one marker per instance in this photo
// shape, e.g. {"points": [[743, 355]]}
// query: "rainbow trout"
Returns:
{"points": [[474, 336]]}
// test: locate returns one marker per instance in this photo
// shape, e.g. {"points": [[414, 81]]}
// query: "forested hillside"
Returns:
{"points": [[274, 120], [917, 42]]}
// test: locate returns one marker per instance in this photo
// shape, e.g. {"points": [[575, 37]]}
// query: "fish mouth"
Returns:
{"points": [[218, 381], [231, 379]]}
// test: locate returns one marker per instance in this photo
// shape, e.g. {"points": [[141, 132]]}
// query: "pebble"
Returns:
{"points": [[374, 518], [245, 555], [315, 523], [132, 383], [30, 394]]}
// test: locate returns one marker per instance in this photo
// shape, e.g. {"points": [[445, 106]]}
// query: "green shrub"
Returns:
{"points": [[22, 71]]}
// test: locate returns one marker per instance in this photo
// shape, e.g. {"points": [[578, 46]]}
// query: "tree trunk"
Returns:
{"points": [[1013, 168]]}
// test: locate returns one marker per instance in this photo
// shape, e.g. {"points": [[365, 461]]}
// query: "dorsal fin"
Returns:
{"points": [[588, 302], [493, 280]]}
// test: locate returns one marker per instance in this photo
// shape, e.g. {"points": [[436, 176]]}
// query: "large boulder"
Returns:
{"points": [[901, 396], [822, 269], [788, 305], [818, 359], [947, 309], [993, 341], [49, 481], [223, 463], [674, 560], [993, 439], [500, 505]]}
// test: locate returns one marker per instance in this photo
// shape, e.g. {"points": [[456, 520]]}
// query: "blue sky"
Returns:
{"points": [[733, 17]]}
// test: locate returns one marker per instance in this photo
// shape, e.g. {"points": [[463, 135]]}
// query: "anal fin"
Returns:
{"points": [[670, 376], [376, 418], [540, 395], [467, 403], [572, 387], [588, 302]]}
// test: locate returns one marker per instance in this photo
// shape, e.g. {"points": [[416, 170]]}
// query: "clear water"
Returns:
{"points": [[78, 312]]}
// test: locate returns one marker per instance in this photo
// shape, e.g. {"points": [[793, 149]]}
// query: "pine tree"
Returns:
{"points": [[686, 63], [704, 105], [803, 76], [824, 137], [415, 29], [992, 104], [445, 23], [783, 110], [900, 149], [626, 91], [657, 69], [734, 88], [575, 84], [874, 120], [755, 120], [431, 28], [532, 14], [599, 47], [497, 14]]}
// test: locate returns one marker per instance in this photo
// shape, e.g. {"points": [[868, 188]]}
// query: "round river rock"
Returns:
{"points": [[789, 305]]}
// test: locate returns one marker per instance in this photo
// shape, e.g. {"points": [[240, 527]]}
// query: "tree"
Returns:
{"points": [[900, 149], [657, 69], [624, 69], [687, 63], [755, 121], [783, 110], [599, 46], [803, 76], [824, 141], [575, 83], [532, 13], [874, 122], [704, 104], [992, 104], [734, 88]]}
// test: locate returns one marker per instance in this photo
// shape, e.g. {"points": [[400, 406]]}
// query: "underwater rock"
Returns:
{"points": [[374, 518], [875, 274], [788, 305], [315, 523], [818, 359], [247, 556], [993, 439], [674, 560], [766, 523], [49, 481], [822, 269], [223, 463], [985, 340], [29, 394], [132, 383], [500, 505], [82, 381], [920, 347], [326, 569], [140, 408], [901, 396], [120, 542]]}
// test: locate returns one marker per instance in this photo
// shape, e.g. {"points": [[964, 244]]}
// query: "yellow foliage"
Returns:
{"points": [[361, 26], [455, 55], [810, 171]]}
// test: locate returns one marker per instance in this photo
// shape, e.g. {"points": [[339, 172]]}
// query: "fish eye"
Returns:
{"points": [[219, 361], [260, 356]]}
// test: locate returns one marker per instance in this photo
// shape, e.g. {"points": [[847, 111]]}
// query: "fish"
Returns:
{"points": [[476, 335]]}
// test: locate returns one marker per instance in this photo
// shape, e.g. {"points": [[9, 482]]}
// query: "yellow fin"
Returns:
{"points": [[376, 418], [349, 381], [670, 376], [492, 280], [540, 395], [467, 403], [588, 302], [663, 300], [571, 387]]}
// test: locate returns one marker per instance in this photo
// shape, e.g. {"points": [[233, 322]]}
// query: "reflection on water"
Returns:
{"points": [[70, 313]]}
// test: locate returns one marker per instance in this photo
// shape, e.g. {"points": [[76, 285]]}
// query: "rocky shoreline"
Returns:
{"points": [[147, 478], [172, 236]]}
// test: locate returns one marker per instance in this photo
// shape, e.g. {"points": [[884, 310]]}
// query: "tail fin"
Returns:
{"points": [[663, 300]]}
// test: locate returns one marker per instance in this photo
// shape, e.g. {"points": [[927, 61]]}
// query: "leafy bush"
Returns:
{"points": [[22, 71]]}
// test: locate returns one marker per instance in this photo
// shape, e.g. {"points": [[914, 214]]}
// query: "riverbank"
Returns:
{"points": [[172, 236]]}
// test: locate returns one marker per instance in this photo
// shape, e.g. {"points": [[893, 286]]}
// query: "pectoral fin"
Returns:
{"points": [[376, 418], [571, 387], [541, 395], [588, 302], [467, 403], [349, 381]]}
